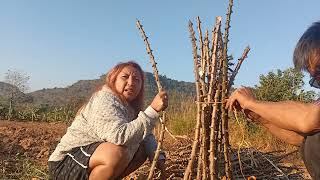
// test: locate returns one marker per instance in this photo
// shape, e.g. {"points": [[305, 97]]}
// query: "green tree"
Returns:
{"points": [[283, 85]]}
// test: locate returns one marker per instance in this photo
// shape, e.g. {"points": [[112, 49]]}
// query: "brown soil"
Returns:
{"points": [[37, 140], [30, 139]]}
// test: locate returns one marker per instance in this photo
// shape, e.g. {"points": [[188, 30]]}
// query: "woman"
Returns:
{"points": [[110, 136]]}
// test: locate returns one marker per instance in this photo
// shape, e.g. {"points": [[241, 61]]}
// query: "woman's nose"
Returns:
{"points": [[130, 81]]}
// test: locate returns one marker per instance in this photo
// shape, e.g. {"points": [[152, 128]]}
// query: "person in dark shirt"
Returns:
{"points": [[294, 122]]}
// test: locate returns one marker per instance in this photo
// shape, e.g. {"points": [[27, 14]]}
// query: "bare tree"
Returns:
{"points": [[20, 82]]}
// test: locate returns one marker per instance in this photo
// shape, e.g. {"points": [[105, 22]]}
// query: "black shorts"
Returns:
{"points": [[75, 164], [310, 150]]}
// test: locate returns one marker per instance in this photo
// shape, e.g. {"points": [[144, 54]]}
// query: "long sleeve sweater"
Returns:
{"points": [[106, 119]]}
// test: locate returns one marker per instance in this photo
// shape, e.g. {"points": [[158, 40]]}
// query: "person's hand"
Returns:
{"points": [[240, 99], [160, 101], [162, 167]]}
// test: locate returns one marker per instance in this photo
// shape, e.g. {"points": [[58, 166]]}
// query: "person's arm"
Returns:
{"points": [[109, 119], [289, 115], [288, 136]]}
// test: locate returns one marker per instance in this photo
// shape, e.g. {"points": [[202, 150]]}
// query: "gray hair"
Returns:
{"points": [[307, 44]]}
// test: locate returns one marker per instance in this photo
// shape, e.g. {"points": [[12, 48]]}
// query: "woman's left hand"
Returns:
{"points": [[162, 167]]}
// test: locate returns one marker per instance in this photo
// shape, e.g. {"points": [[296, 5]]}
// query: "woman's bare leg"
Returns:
{"points": [[108, 161]]}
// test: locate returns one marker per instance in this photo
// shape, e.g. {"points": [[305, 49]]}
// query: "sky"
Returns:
{"points": [[60, 42]]}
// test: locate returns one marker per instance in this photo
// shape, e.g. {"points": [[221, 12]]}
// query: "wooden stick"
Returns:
{"points": [[213, 64], [275, 167], [188, 170], [207, 55], [213, 139], [236, 70], [215, 120], [226, 32], [156, 76], [204, 116], [202, 61], [151, 57], [203, 137], [200, 156], [224, 113]]}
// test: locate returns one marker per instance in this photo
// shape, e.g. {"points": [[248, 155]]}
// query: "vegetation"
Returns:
{"points": [[23, 168], [18, 82], [283, 85]]}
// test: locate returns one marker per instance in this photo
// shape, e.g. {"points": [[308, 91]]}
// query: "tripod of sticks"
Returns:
{"points": [[213, 79]]}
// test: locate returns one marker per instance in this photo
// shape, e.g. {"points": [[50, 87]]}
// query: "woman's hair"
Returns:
{"points": [[307, 49], [137, 103]]}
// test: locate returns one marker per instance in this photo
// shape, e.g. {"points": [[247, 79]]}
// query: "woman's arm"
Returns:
{"points": [[110, 121], [289, 115]]}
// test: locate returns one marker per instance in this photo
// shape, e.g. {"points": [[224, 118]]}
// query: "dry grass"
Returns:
{"points": [[21, 167], [182, 119]]}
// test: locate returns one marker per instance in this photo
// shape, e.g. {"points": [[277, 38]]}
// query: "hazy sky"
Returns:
{"points": [[60, 42]]}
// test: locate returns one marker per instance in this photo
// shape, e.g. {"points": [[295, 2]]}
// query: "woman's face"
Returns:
{"points": [[128, 83]]}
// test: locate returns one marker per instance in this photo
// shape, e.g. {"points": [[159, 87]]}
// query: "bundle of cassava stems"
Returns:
{"points": [[214, 75]]}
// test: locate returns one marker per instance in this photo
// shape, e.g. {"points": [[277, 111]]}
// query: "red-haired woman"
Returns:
{"points": [[110, 136]]}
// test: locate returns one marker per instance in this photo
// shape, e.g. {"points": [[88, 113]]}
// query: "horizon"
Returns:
{"points": [[59, 43]]}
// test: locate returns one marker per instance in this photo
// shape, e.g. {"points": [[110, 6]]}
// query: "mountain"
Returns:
{"points": [[7, 89], [80, 91]]}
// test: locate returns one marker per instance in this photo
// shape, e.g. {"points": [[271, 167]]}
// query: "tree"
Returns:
{"points": [[19, 82], [283, 85]]}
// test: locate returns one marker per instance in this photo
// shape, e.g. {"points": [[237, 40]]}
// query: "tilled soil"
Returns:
{"points": [[36, 141], [24, 145]]}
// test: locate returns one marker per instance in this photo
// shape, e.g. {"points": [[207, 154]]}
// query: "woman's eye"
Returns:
{"points": [[137, 79]]}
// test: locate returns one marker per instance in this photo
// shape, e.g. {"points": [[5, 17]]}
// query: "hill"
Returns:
{"points": [[6, 90], [81, 90]]}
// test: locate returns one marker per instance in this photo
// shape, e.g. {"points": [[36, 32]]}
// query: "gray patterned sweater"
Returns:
{"points": [[106, 119]]}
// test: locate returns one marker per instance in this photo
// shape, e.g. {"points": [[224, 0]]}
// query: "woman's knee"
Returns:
{"points": [[109, 154]]}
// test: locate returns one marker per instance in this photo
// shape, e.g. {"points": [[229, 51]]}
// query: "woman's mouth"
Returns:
{"points": [[129, 91]]}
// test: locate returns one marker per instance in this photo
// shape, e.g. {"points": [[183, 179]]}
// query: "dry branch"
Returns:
{"points": [[188, 170], [151, 57], [213, 64], [236, 69], [224, 94], [156, 76]]}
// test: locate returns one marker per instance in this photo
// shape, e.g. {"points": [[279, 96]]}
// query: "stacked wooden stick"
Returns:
{"points": [[213, 79]]}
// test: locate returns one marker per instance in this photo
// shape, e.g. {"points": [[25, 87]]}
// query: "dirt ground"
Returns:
{"points": [[36, 141], [26, 144], [30, 139]]}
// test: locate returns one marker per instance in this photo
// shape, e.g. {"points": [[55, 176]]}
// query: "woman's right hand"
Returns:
{"points": [[160, 101]]}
